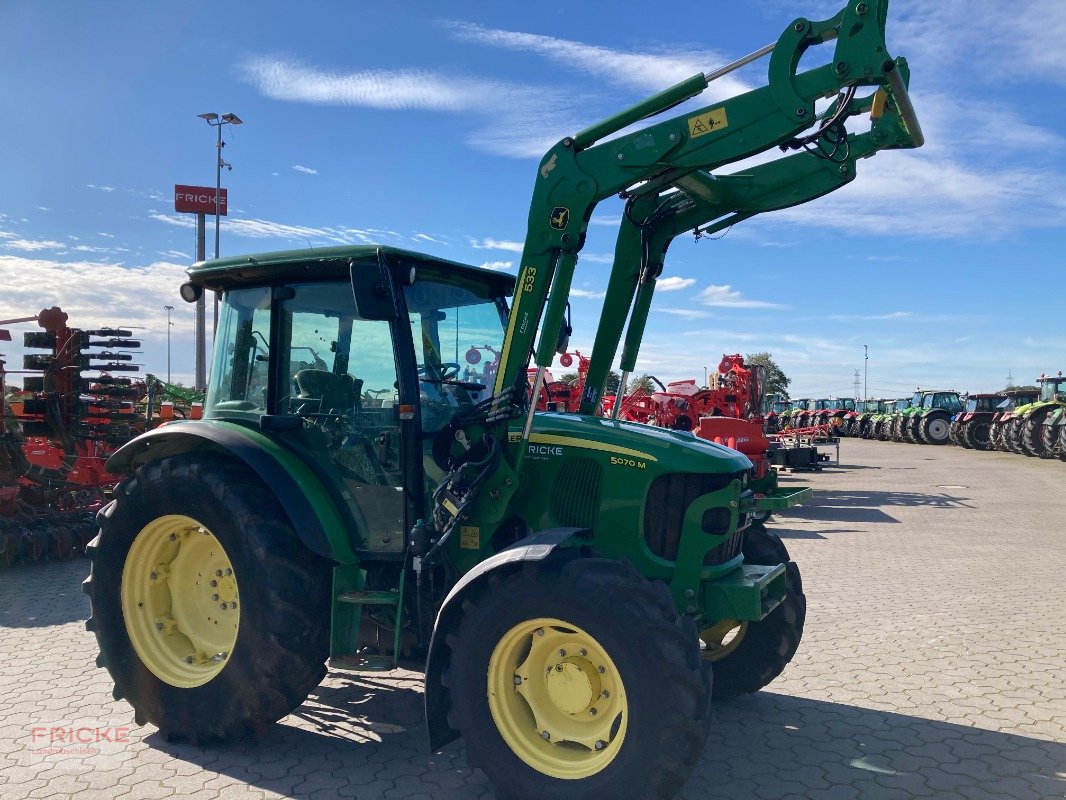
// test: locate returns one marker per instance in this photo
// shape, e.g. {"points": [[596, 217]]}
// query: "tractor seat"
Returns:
{"points": [[335, 394]]}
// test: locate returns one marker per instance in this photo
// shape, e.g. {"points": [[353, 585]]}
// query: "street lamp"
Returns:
{"points": [[169, 324], [217, 122], [865, 371]]}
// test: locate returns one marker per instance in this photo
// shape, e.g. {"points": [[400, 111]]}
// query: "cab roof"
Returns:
{"points": [[324, 262]]}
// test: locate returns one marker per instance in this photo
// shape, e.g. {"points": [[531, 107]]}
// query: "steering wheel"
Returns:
{"points": [[449, 371]]}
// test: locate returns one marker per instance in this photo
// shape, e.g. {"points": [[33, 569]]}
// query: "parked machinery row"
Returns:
{"points": [[1028, 421]]}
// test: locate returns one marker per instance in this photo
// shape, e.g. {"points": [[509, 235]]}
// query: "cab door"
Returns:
{"points": [[337, 371]]}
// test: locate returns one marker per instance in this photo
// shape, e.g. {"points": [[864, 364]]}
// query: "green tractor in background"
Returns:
{"points": [[931, 422], [902, 413], [578, 588], [867, 411], [796, 415], [1036, 427]]}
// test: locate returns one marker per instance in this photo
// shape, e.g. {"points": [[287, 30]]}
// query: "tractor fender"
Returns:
{"points": [[536, 547], [313, 514]]}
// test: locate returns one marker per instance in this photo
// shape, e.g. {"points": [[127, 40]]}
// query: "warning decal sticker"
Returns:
{"points": [[702, 124]]}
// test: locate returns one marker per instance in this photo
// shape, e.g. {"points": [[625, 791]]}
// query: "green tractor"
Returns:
{"points": [[867, 413], [578, 588], [796, 415], [1036, 427], [931, 422], [902, 414]]}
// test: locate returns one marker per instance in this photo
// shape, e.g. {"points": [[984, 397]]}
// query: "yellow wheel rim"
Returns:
{"points": [[722, 639], [557, 698], [180, 601]]}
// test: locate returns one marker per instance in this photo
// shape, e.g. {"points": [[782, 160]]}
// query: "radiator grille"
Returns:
{"points": [[664, 512], [575, 498]]}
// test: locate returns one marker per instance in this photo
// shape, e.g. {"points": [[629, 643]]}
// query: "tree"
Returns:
{"points": [[642, 382], [569, 378], [774, 379], [610, 385]]}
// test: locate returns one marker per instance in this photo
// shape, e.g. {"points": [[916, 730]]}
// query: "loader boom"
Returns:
{"points": [[706, 204], [643, 165]]}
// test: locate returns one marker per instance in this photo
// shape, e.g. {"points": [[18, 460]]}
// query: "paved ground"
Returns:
{"points": [[933, 665]]}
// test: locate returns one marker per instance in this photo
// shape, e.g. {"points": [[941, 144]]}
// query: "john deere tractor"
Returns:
{"points": [[578, 588]]}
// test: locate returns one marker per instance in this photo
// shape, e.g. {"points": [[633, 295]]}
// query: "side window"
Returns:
{"points": [[340, 372], [240, 371]]}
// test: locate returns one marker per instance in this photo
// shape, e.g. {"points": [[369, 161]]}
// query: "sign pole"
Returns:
{"points": [[201, 309]]}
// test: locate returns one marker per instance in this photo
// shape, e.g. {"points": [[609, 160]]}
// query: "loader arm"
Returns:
{"points": [[582, 170], [705, 204]]}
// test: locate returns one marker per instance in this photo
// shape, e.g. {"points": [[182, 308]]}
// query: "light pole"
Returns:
{"points": [[865, 371], [169, 323], [217, 122]]}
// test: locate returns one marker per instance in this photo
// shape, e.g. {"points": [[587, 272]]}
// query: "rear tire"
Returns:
{"points": [[658, 700], [769, 645], [1032, 435], [281, 644], [934, 428]]}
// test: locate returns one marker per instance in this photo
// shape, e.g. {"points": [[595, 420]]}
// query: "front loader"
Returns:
{"points": [[352, 495]]}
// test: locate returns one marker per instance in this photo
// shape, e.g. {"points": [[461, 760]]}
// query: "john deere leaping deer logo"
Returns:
{"points": [[560, 217]]}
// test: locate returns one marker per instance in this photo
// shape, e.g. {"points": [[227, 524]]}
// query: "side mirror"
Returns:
{"points": [[372, 285]]}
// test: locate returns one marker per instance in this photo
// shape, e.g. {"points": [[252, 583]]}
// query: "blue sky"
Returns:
{"points": [[421, 125]]}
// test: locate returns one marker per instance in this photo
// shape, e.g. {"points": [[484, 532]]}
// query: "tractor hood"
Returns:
{"points": [[682, 451]]}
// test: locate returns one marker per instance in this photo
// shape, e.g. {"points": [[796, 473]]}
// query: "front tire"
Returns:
{"points": [[184, 536], [758, 652], [578, 679]]}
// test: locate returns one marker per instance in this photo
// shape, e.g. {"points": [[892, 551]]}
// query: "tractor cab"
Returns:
{"points": [[356, 361], [1053, 389]]}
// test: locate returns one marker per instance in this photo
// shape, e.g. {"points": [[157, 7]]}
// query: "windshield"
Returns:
{"points": [[902, 404], [1050, 388], [916, 399], [457, 330], [949, 401], [971, 404]]}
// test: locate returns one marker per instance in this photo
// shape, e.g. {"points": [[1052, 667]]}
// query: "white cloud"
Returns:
{"points": [[305, 170], [28, 245], [496, 244], [93, 293], [685, 313], [587, 294], [673, 283], [612, 221], [174, 254], [42, 208], [596, 258], [101, 188], [725, 297], [647, 72], [388, 89], [497, 265], [105, 235], [425, 237]]}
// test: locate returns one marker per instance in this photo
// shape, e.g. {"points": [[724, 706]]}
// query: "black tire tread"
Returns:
{"points": [[291, 647], [644, 610], [768, 645]]}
